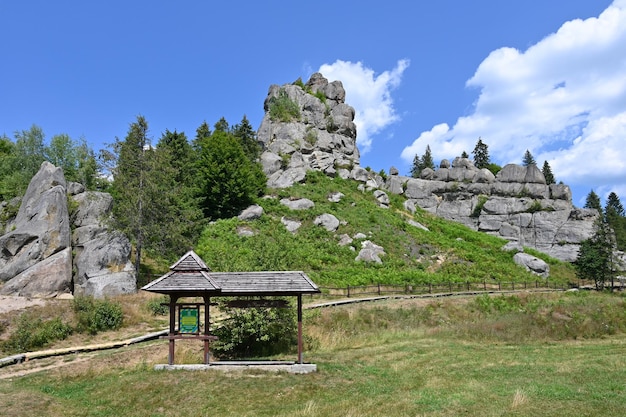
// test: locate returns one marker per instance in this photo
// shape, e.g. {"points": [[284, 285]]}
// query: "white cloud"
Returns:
{"points": [[369, 94], [563, 98]]}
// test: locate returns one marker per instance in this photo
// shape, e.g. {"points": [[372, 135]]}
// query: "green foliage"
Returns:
{"points": [[411, 253], [156, 306], [481, 155], [547, 173], [228, 181], [595, 255], [528, 159], [593, 201], [535, 207], [423, 162], [32, 332], [615, 217], [247, 138], [494, 168], [283, 109], [94, 315], [255, 332], [482, 199]]}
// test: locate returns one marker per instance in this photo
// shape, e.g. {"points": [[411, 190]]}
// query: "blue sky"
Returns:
{"points": [[548, 76]]}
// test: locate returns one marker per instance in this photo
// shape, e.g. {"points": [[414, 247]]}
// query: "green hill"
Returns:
{"points": [[446, 252]]}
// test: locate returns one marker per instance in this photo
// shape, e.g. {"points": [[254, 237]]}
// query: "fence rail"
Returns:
{"points": [[451, 287]]}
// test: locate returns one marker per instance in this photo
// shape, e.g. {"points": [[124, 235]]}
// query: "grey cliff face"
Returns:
{"points": [[516, 204], [36, 255], [322, 138]]}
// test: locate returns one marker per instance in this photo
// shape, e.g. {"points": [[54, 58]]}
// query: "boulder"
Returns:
{"points": [[327, 221], [382, 198], [291, 225], [41, 229], [103, 266], [253, 212], [370, 252], [47, 278], [532, 264], [298, 203]]}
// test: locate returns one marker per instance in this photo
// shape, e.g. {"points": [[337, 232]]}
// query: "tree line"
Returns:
{"points": [[165, 192], [597, 259], [481, 160]]}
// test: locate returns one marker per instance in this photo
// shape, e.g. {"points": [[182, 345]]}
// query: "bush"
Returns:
{"points": [[156, 306], [97, 315], [255, 332], [32, 332], [283, 109]]}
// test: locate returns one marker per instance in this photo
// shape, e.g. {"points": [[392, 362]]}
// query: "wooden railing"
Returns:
{"points": [[450, 287]]}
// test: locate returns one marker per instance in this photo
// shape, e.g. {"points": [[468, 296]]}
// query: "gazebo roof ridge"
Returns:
{"points": [[190, 262]]}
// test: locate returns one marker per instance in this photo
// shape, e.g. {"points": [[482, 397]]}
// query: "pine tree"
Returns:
{"points": [[464, 155], [593, 201], [614, 214], [221, 125], [416, 167], [528, 159], [138, 189], [595, 256], [247, 137], [547, 173], [427, 159], [481, 155]]}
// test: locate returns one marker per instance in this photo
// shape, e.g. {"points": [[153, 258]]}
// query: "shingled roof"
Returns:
{"points": [[190, 276]]}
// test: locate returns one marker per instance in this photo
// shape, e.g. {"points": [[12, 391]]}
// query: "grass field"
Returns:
{"points": [[526, 355]]}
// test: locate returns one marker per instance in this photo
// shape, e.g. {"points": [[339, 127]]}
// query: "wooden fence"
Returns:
{"points": [[451, 287]]}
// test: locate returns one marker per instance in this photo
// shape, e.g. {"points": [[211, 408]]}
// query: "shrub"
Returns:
{"points": [[97, 315], [535, 207], [255, 332], [283, 109], [156, 306], [32, 332], [482, 199]]}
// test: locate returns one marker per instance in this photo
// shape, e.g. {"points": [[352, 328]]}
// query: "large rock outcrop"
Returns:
{"points": [[515, 204], [36, 254], [101, 262], [321, 137]]}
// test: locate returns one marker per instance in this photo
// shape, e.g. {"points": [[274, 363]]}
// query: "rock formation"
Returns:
{"points": [[36, 253], [322, 137], [515, 204]]}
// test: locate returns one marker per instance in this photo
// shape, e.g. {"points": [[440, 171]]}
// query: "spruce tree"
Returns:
{"points": [[427, 159], [614, 213], [547, 173], [416, 167], [131, 182], [247, 137], [528, 159], [593, 201], [595, 255], [481, 155]]}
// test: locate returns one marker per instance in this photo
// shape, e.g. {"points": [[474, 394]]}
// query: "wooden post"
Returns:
{"points": [[207, 327], [170, 355], [300, 347]]}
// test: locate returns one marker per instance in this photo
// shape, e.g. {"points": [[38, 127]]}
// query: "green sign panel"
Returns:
{"points": [[189, 320]]}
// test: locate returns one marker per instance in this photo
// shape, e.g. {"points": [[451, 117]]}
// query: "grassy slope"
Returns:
{"points": [[447, 252], [527, 355]]}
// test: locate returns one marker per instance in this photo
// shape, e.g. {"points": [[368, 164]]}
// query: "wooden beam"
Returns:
{"points": [[300, 347]]}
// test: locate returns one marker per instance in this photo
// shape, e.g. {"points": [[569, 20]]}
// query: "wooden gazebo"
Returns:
{"points": [[191, 277]]}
